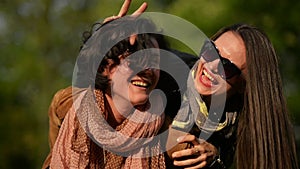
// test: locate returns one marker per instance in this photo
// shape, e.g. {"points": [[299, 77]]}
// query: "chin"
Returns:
{"points": [[204, 91], [139, 101]]}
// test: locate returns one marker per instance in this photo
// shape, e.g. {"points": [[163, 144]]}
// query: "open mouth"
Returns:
{"points": [[140, 83], [209, 77]]}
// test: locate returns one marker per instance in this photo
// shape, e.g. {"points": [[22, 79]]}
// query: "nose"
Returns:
{"points": [[147, 72]]}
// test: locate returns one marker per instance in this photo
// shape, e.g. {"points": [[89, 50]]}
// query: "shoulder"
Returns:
{"points": [[61, 102]]}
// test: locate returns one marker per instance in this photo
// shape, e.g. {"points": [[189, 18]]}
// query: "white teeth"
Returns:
{"points": [[139, 83], [208, 76]]}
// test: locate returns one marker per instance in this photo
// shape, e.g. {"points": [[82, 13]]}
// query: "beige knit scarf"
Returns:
{"points": [[94, 144]]}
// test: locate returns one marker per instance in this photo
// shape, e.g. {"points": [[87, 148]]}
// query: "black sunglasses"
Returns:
{"points": [[226, 68]]}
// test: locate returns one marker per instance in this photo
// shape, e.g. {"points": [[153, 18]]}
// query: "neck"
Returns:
{"points": [[117, 114]]}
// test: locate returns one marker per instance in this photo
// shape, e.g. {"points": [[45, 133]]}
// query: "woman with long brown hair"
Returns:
{"points": [[240, 65]]}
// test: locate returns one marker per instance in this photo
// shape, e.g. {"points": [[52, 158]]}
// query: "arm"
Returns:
{"points": [[60, 105]]}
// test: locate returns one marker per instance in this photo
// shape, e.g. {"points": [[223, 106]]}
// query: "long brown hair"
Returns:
{"points": [[265, 136]]}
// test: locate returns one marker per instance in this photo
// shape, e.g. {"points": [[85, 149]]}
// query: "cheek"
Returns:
{"points": [[197, 71]]}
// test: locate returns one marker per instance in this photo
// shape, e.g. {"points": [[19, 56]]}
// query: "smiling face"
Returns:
{"points": [[135, 77], [130, 86], [141, 85], [208, 80]]}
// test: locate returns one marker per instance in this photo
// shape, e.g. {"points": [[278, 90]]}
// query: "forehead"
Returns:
{"points": [[232, 47]]}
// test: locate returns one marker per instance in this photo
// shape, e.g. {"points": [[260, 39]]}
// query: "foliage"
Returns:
{"points": [[39, 42]]}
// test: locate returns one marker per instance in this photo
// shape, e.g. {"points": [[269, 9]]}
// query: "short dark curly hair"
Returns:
{"points": [[107, 42]]}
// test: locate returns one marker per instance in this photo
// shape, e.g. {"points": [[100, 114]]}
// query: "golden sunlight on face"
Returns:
{"points": [[208, 80], [132, 84]]}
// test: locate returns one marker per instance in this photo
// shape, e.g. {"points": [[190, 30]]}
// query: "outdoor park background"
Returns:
{"points": [[40, 40]]}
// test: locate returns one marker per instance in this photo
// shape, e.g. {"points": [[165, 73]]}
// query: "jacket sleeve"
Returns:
{"points": [[60, 105]]}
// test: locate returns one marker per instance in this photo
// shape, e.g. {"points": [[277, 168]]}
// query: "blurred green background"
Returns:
{"points": [[40, 40]]}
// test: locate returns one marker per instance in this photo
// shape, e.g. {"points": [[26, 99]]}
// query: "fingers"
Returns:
{"points": [[195, 162], [124, 9], [196, 166], [189, 152], [110, 18], [189, 138], [141, 9], [195, 141], [132, 39], [197, 156]]}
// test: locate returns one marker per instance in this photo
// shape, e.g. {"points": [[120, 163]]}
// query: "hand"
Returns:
{"points": [[123, 11], [198, 156]]}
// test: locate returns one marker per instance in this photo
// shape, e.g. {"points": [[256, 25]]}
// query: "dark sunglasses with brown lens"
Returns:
{"points": [[226, 68]]}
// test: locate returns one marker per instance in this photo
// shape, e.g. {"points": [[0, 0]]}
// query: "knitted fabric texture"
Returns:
{"points": [[77, 145]]}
